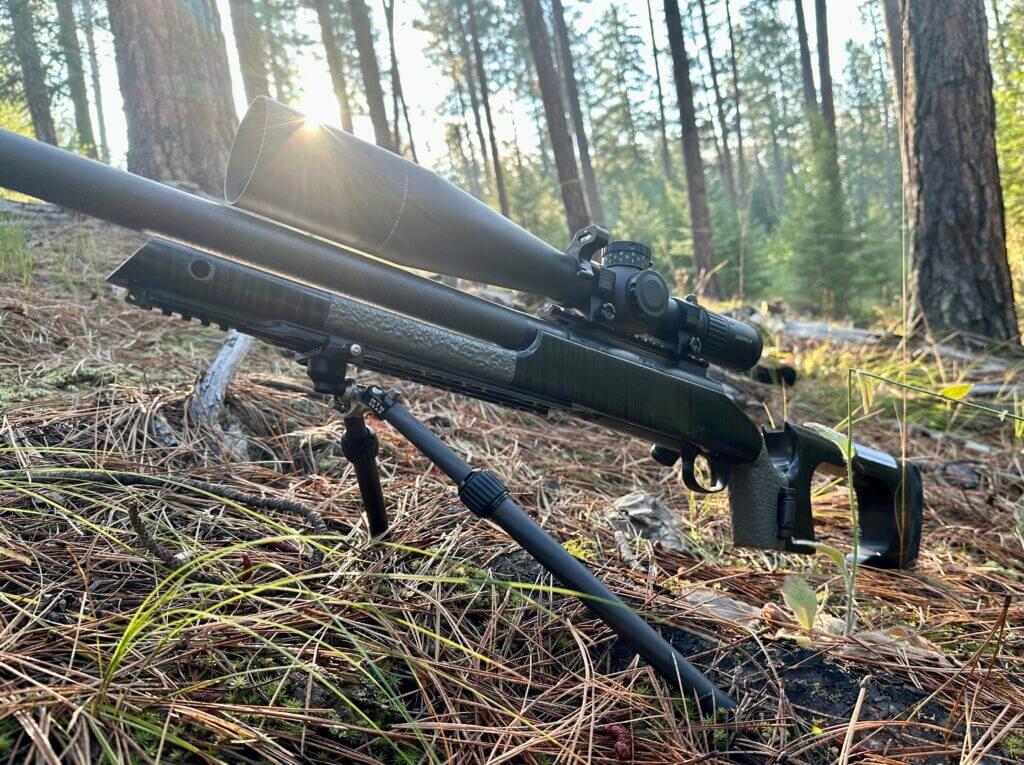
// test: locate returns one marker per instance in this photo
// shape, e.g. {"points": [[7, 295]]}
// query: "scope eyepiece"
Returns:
{"points": [[715, 338]]}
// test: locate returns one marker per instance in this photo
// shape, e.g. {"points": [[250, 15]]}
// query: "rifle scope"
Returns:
{"points": [[328, 182]]}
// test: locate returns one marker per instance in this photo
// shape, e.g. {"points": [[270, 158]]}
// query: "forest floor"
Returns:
{"points": [[162, 621]]}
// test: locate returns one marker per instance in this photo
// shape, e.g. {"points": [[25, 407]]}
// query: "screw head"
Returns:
{"points": [[607, 311], [355, 349]]}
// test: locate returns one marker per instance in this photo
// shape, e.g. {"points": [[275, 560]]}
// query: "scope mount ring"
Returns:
{"points": [[585, 244]]}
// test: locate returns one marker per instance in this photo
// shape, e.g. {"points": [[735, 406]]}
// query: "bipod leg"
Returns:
{"points": [[488, 498], [328, 369], [360, 447]]}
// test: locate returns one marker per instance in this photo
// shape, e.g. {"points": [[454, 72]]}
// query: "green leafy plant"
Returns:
{"points": [[802, 601], [847, 571]]}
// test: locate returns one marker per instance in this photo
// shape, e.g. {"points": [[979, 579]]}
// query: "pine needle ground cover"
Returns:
{"points": [[160, 603]]}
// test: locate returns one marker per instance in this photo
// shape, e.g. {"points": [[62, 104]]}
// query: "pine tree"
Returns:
{"points": [[399, 106], [568, 69], [326, 12], [554, 110], [700, 217], [360, 18], [173, 68], [666, 155], [72, 54], [723, 124], [250, 42], [33, 74], [88, 27], [960, 276], [480, 69], [810, 96]]}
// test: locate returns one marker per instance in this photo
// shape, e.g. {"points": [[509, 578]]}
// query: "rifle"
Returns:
{"points": [[614, 348]]}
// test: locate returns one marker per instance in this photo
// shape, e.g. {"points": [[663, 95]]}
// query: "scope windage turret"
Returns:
{"points": [[330, 183], [633, 296]]}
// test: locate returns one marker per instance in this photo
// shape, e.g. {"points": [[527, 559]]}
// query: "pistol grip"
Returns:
{"points": [[770, 498]]}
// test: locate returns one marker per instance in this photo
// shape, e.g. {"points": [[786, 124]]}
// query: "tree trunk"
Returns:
{"points": [[778, 165], [396, 113], [960, 279], [400, 107], [76, 76], [894, 45], [371, 73], [33, 74], [828, 107], [554, 111], [94, 71], [474, 93], [810, 97], [1001, 58], [879, 44], [666, 157], [277, 60], [474, 179], [335, 62], [764, 186], [481, 77], [173, 68], [723, 124], [251, 47], [700, 218], [468, 170], [741, 160], [576, 112]]}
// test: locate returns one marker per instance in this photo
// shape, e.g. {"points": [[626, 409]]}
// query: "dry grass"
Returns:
{"points": [[410, 649]]}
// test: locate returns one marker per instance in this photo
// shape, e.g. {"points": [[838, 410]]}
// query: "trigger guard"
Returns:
{"points": [[687, 468]]}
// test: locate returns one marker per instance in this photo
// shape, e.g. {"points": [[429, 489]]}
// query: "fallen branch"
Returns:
{"points": [[207, 403]]}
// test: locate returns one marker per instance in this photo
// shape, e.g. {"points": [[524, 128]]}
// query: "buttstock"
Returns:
{"points": [[770, 498]]}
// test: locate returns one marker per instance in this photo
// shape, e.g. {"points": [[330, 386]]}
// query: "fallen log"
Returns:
{"points": [[981, 363]]}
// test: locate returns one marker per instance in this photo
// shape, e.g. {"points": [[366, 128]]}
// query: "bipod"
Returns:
{"points": [[487, 497]]}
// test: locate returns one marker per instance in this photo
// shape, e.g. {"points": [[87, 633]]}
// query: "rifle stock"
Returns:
{"points": [[768, 473]]}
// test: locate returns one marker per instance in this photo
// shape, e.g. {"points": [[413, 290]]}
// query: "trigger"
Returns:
{"points": [[718, 473]]}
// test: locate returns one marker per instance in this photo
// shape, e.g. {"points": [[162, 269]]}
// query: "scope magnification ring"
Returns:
{"points": [[624, 253]]}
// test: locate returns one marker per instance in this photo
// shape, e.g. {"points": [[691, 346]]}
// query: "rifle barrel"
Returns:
{"points": [[70, 180]]}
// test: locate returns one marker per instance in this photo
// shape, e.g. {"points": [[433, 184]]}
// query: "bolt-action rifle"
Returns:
{"points": [[297, 260]]}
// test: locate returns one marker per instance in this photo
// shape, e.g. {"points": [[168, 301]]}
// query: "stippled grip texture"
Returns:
{"points": [[754, 501]]}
